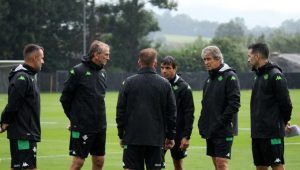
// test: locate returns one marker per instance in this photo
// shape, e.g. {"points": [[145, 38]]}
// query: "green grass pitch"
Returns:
{"points": [[53, 150]]}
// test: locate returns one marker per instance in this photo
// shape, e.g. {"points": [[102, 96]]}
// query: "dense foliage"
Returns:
{"points": [[125, 25]]}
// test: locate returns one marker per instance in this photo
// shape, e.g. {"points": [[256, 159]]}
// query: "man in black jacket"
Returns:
{"points": [[21, 116], [146, 115], [185, 110], [83, 103], [271, 109], [220, 105]]}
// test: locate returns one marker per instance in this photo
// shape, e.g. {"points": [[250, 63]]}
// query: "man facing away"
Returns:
{"points": [[271, 109], [21, 116], [83, 103], [146, 115], [185, 110], [220, 105]]}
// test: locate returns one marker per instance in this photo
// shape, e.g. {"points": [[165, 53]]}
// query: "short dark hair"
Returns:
{"points": [[169, 60], [29, 48], [148, 56], [261, 48]]}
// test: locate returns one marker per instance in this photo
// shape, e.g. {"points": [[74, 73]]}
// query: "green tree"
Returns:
{"points": [[130, 23], [188, 58], [234, 52], [56, 25], [281, 41], [291, 26], [235, 28]]}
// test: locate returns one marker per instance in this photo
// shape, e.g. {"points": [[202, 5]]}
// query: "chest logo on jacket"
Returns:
{"points": [[21, 78], [278, 78], [220, 78], [88, 73], [175, 87]]}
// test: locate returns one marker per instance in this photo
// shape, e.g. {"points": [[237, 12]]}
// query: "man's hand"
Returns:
{"points": [[121, 143], [69, 127], [184, 144], [288, 128], [169, 144], [3, 127]]}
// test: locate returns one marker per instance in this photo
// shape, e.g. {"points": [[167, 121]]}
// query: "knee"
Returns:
{"points": [[77, 164], [221, 163], [98, 161]]}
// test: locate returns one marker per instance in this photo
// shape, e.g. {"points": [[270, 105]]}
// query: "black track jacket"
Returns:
{"points": [[83, 97], [22, 111], [146, 109], [185, 107], [271, 106], [220, 104]]}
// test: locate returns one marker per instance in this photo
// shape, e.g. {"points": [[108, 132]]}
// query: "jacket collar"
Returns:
{"points": [[174, 80], [87, 61], [220, 70], [265, 68], [147, 70]]}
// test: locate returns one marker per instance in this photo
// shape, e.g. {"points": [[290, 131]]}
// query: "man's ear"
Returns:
{"points": [[155, 63], [36, 57], [257, 55]]}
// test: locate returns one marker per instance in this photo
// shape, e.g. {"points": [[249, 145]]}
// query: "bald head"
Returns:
{"points": [[147, 57]]}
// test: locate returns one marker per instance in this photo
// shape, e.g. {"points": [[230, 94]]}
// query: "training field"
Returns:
{"points": [[53, 150]]}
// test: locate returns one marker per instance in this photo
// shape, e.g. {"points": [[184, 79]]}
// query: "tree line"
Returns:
{"points": [[233, 39], [125, 25], [58, 25]]}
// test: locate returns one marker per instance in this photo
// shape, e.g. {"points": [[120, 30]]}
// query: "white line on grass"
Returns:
{"points": [[197, 147], [245, 129], [55, 156], [296, 143], [49, 123]]}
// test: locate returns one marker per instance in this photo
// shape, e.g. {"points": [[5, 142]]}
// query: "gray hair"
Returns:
{"points": [[97, 47], [214, 51]]}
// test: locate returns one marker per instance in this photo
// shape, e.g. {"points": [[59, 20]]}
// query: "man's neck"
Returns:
{"points": [[261, 63], [30, 64]]}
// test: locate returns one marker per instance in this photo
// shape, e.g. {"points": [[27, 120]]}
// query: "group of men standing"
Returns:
{"points": [[154, 112]]}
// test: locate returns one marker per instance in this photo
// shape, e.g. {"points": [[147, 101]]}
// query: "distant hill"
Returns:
{"points": [[184, 25], [178, 30]]}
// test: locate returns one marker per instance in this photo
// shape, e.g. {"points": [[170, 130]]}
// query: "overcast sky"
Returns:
{"points": [[255, 12]]}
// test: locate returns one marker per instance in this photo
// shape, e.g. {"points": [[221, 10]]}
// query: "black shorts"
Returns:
{"points": [[23, 154], [81, 144], [268, 152], [219, 147], [134, 157]]}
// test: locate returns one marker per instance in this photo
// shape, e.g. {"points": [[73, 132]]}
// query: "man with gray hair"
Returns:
{"points": [[220, 105], [83, 103]]}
